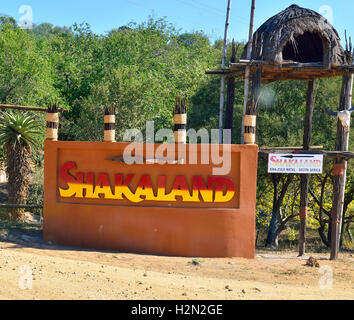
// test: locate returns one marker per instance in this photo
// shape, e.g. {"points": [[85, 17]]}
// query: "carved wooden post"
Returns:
{"points": [[340, 165], [110, 124], [180, 120], [250, 119], [305, 178], [52, 123]]}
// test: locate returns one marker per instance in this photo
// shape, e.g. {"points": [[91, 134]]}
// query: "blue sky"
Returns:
{"points": [[188, 15]]}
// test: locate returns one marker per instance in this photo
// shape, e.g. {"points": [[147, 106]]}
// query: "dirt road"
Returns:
{"points": [[67, 273]]}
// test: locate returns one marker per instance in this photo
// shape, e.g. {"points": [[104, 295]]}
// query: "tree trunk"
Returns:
{"points": [[329, 232], [275, 224], [19, 170], [341, 234], [321, 232], [349, 233], [272, 237]]}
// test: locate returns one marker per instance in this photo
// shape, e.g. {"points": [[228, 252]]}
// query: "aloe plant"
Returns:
{"points": [[19, 135]]}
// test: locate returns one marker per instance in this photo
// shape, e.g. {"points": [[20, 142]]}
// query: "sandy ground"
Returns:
{"points": [[69, 273]]}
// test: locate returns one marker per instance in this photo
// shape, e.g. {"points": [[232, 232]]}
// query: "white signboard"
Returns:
{"points": [[295, 163]]}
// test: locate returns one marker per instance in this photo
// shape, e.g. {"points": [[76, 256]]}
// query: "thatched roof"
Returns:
{"points": [[296, 44], [300, 35]]}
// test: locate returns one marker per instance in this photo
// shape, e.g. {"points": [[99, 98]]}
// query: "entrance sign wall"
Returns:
{"points": [[93, 201]]}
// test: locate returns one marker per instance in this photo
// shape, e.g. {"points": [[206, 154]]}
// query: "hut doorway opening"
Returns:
{"points": [[304, 48]]}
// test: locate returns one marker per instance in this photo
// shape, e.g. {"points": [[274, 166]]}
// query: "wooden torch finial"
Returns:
{"points": [[180, 120], [110, 124], [52, 122]]}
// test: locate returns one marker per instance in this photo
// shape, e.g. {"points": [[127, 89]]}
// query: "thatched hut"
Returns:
{"points": [[298, 35], [297, 44]]}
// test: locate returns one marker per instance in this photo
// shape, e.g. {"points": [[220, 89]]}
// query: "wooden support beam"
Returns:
{"points": [[315, 148], [247, 71], [230, 101], [340, 167], [286, 71], [305, 178], [27, 108], [219, 72]]}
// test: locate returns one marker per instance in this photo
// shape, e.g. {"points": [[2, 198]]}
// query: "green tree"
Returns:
{"points": [[25, 74], [75, 56], [142, 68]]}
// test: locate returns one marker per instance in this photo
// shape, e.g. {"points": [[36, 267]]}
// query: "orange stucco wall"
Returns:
{"points": [[178, 228]]}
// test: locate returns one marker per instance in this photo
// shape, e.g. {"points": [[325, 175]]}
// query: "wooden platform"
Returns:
{"points": [[287, 71]]}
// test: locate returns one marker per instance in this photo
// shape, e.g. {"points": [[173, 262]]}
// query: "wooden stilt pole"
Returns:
{"points": [[110, 124], [340, 166], [52, 119], [229, 116], [247, 73], [221, 108], [305, 178]]}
